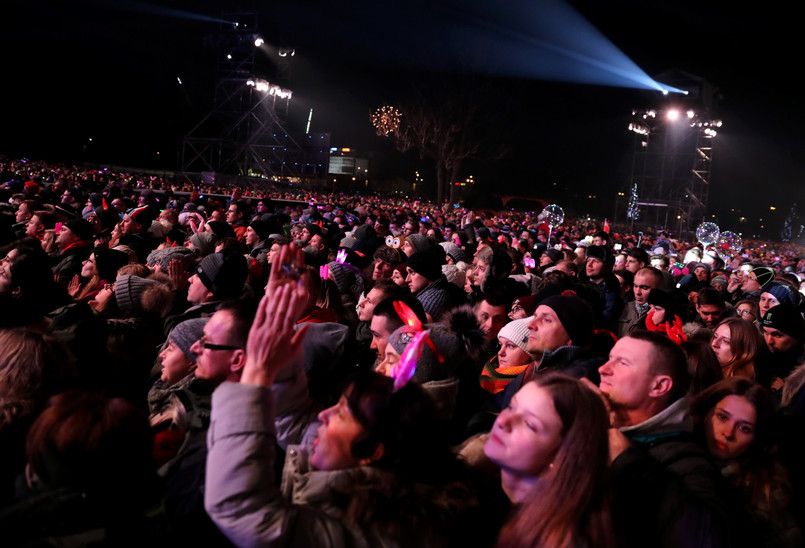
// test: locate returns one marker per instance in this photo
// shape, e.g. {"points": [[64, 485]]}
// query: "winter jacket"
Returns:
{"points": [[666, 491], [361, 506]]}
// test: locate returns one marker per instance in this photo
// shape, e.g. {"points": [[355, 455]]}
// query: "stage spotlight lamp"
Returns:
{"points": [[258, 42], [691, 114], [673, 114]]}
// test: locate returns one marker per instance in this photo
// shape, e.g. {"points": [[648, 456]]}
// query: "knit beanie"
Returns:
{"points": [[575, 316], [764, 275], [705, 266], [365, 232], [143, 215], [454, 275], [456, 253], [223, 273], [517, 332], [163, 257], [785, 318], [784, 293], [81, 228], [108, 218], [262, 228], [186, 333], [109, 261], [554, 255], [346, 277], [402, 269], [428, 366], [428, 262], [221, 229], [129, 292], [204, 242], [419, 242]]}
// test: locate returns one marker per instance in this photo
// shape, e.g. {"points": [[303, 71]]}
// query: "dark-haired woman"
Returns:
{"points": [[736, 418]]}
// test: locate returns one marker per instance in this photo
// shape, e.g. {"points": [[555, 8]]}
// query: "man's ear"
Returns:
{"points": [[376, 455], [238, 360], [661, 385]]}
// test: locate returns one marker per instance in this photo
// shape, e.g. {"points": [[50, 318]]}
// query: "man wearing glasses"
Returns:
{"points": [[221, 350]]}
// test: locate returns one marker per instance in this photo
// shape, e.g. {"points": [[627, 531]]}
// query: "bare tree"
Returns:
{"points": [[444, 127]]}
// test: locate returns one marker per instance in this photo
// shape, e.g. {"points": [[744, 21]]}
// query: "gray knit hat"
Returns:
{"points": [[129, 292], [456, 253], [429, 367], [204, 242], [419, 242], [163, 257], [186, 333], [347, 278]]}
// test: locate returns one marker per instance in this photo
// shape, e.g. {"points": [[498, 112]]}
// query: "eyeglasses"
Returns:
{"points": [[209, 346], [745, 313]]}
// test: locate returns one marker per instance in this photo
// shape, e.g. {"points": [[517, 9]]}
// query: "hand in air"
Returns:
{"points": [[273, 337]]}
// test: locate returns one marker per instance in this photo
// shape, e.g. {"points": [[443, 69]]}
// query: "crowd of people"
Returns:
{"points": [[230, 366]]}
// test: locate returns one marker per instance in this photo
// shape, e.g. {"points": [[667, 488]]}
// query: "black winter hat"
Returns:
{"points": [[223, 273], [428, 262]]}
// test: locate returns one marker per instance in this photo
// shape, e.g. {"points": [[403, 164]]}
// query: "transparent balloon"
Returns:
{"points": [[707, 233], [553, 215], [729, 243]]}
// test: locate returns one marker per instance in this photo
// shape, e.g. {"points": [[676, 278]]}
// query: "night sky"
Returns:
{"points": [[107, 71]]}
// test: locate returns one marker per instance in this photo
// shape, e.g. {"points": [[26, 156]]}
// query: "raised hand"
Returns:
{"points": [[273, 338], [74, 287], [178, 275]]}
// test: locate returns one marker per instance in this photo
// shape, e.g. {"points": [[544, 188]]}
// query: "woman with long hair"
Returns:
{"points": [[99, 269], [736, 419], [735, 343], [552, 447]]}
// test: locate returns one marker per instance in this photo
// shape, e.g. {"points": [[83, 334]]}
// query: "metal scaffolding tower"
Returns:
{"points": [[244, 134], [673, 157]]}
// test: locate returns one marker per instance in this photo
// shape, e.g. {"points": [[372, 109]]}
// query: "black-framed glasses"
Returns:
{"points": [[210, 346]]}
